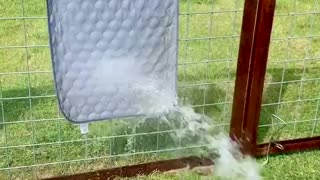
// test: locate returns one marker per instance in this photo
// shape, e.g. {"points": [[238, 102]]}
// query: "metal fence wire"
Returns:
{"points": [[37, 142], [292, 86]]}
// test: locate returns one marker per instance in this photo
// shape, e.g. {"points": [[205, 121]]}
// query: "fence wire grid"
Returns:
{"points": [[37, 142], [291, 94]]}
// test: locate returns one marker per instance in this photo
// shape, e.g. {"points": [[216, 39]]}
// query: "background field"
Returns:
{"points": [[35, 140]]}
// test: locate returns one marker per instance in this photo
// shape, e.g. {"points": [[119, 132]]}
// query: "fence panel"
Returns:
{"points": [[291, 94], [36, 141]]}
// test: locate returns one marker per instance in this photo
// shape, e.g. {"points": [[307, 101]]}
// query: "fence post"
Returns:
{"points": [[252, 62]]}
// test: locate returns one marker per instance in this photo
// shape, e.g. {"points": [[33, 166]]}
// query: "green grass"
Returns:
{"points": [[25, 121]]}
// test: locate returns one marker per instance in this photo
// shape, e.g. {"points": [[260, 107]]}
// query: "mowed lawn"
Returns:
{"points": [[36, 141]]}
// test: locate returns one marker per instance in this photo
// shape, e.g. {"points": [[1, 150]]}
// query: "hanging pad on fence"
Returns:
{"points": [[113, 58]]}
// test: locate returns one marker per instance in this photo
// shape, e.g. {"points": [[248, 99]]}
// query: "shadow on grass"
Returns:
{"points": [[16, 106], [271, 96], [154, 135]]}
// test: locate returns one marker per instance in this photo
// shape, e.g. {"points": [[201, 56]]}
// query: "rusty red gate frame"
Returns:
{"points": [[252, 62]]}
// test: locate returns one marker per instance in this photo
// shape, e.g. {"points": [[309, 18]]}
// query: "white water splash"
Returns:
{"points": [[162, 106], [229, 162]]}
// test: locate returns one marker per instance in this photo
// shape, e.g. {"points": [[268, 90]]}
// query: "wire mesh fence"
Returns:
{"points": [[291, 94], [36, 141]]}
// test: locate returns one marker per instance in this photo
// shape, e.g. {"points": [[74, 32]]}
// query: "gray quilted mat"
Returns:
{"points": [[113, 58]]}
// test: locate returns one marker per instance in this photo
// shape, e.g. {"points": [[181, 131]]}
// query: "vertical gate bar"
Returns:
{"points": [[252, 63], [242, 75], [259, 58]]}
